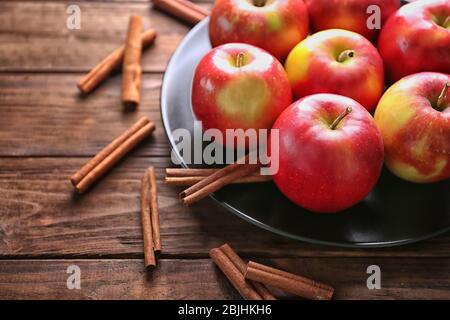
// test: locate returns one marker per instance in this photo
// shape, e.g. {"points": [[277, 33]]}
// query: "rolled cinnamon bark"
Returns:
{"points": [[189, 181], [188, 172], [181, 10], [154, 210], [147, 230], [132, 71], [193, 6]]}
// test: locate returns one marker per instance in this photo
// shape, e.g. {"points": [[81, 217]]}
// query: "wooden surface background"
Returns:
{"points": [[47, 131]]}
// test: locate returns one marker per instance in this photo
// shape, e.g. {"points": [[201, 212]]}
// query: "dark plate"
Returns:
{"points": [[395, 212]]}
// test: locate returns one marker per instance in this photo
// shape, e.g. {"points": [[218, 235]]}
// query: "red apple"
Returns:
{"points": [[415, 125], [274, 25], [337, 61], [417, 38], [237, 85], [330, 152], [350, 15]]}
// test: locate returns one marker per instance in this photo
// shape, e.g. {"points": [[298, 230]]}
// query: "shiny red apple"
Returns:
{"points": [[330, 152], [417, 38], [414, 119], [337, 61], [350, 15], [274, 25], [239, 86]]}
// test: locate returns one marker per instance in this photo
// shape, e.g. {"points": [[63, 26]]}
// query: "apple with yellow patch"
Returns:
{"points": [[337, 61], [414, 119], [416, 38], [274, 25], [239, 86]]}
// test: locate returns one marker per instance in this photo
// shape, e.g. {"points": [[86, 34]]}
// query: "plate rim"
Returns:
{"points": [[235, 211]]}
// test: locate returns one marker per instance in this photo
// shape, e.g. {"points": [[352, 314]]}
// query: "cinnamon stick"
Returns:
{"points": [[191, 176], [289, 282], [132, 71], [147, 230], [246, 290], [154, 211], [111, 154], [242, 267], [190, 13], [198, 172], [195, 7], [189, 181], [99, 73], [188, 172]]}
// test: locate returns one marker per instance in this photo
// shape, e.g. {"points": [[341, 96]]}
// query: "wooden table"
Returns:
{"points": [[47, 131]]}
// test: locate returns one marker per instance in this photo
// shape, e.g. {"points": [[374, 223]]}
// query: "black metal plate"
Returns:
{"points": [[395, 212]]}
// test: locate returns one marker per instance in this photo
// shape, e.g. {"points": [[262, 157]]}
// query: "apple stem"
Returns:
{"points": [[240, 59], [442, 95], [259, 3], [344, 55], [446, 23], [340, 117]]}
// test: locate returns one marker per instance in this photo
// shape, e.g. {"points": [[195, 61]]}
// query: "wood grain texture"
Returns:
{"points": [[200, 279], [43, 114], [41, 216], [34, 36]]}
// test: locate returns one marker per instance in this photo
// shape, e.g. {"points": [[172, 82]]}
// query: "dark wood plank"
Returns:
{"points": [[43, 114], [112, 279], [200, 279], [40, 216], [34, 36]]}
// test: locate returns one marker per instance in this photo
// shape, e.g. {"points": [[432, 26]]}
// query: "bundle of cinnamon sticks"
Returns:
{"points": [[250, 279], [182, 9], [218, 179], [189, 177], [111, 154], [234, 269]]}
